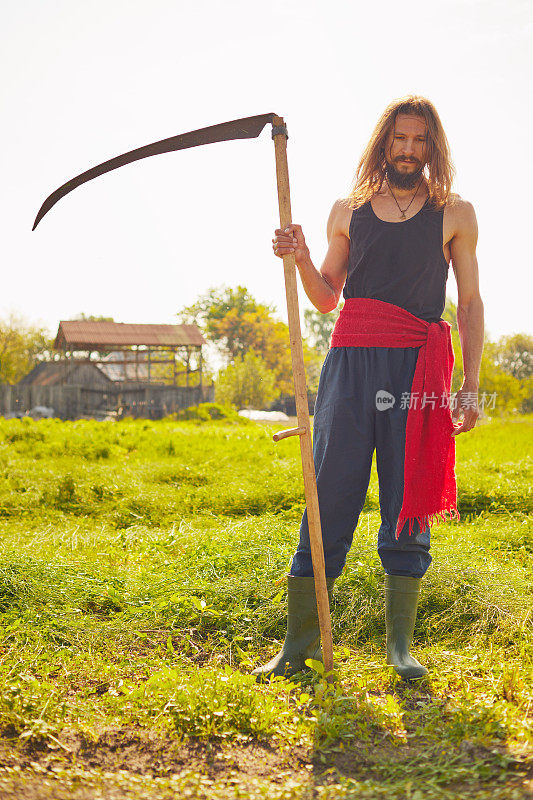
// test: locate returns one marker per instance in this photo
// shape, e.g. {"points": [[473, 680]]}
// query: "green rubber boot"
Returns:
{"points": [[303, 633], [401, 601]]}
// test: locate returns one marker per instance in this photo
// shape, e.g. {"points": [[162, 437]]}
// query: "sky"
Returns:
{"points": [[85, 81]]}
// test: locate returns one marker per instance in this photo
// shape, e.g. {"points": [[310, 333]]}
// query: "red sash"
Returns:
{"points": [[430, 489]]}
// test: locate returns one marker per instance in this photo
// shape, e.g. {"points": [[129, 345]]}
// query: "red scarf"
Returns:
{"points": [[430, 488]]}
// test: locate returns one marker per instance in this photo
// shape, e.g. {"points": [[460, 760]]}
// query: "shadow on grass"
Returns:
{"points": [[410, 737]]}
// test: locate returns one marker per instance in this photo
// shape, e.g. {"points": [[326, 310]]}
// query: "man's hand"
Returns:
{"points": [[290, 240], [466, 405]]}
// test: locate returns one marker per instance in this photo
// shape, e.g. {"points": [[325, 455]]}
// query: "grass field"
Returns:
{"points": [[142, 577]]}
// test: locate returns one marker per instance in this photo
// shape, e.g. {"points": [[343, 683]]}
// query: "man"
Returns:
{"points": [[390, 245]]}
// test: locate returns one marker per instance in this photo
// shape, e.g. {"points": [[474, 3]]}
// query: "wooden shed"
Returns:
{"points": [[66, 373], [142, 353], [111, 370]]}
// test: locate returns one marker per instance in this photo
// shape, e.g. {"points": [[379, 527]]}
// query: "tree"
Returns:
{"points": [[234, 321], [22, 346], [93, 318], [514, 354], [226, 317], [527, 403], [511, 393], [319, 327], [450, 313], [247, 383]]}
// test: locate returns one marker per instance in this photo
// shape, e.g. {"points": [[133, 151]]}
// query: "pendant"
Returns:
{"points": [[402, 215]]}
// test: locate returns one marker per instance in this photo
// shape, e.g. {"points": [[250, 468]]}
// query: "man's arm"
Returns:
{"points": [[470, 318], [323, 287]]}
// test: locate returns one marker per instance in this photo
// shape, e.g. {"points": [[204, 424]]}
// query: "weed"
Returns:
{"points": [[30, 709], [220, 704]]}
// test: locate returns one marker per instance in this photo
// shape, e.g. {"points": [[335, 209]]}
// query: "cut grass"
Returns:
{"points": [[142, 576]]}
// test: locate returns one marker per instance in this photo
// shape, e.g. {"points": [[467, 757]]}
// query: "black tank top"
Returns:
{"points": [[399, 262]]}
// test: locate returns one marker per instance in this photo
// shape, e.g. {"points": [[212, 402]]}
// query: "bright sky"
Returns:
{"points": [[85, 81]]}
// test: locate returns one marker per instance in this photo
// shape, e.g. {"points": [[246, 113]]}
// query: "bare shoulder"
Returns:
{"points": [[462, 216], [339, 218]]}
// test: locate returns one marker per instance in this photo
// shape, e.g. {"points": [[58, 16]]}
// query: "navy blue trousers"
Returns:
{"points": [[348, 425]]}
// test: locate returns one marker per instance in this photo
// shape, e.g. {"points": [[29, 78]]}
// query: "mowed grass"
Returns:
{"points": [[142, 577]]}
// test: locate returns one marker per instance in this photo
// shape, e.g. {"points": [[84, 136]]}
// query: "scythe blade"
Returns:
{"points": [[246, 128]]}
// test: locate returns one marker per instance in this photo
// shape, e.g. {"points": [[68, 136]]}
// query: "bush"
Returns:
{"points": [[206, 412], [220, 704], [247, 383]]}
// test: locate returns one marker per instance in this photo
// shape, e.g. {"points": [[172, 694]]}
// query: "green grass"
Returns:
{"points": [[142, 577]]}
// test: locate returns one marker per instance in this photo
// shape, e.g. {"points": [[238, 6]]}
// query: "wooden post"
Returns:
{"points": [[200, 370], [300, 393]]}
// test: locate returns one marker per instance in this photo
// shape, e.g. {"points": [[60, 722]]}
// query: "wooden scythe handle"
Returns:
{"points": [[302, 408]]}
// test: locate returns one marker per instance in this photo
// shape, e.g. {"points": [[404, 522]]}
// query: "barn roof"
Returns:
{"points": [[91, 335], [51, 373]]}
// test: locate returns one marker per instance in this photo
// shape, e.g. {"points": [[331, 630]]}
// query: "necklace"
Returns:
{"points": [[403, 210]]}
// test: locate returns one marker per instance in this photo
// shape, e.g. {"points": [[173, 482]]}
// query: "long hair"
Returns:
{"points": [[438, 171]]}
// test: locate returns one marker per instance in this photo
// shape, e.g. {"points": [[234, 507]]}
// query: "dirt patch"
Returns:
{"points": [[149, 753], [132, 763]]}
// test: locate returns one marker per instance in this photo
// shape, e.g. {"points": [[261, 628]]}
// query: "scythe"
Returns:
{"points": [[250, 128]]}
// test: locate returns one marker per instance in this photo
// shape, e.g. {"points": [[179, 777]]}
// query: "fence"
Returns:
{"points": [[287, 404], [74, 402]]}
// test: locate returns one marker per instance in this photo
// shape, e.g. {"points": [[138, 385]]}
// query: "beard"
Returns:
{"points": [[403, 180]]}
